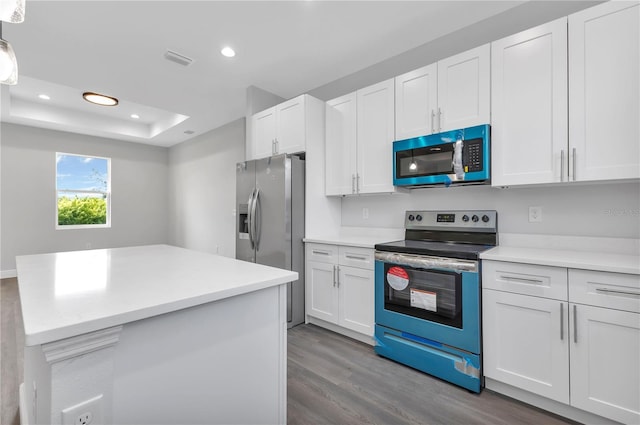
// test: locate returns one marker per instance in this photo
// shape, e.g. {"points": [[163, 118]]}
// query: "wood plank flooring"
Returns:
{"points": [[11, 352], [336, 380], [331, 380]]}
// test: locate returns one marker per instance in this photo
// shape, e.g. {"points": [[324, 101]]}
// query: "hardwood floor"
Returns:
{"points": [[331, 380], [11, 353], [336, 380]]}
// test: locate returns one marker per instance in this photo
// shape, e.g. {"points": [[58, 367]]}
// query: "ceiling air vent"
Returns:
{"points": [[177, 58], [189, 132]]}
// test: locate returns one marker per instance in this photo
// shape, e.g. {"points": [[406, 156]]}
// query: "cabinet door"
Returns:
{"points": [[290, 133], [463, 89], [529, 106], [356, 288], [525, 343], [340, 145], [604, 88], [264, 133], [321, 291], [605, 371], [375, 117], [416, 102]]}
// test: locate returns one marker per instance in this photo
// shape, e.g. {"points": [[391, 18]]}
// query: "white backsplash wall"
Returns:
{"points": [[601, 210]]}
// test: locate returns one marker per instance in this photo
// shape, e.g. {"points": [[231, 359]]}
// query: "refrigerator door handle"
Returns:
{"points": [[250, 218], [255, 219]]}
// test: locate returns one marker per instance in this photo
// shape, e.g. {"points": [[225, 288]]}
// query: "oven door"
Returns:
{"points": [[429, 297]]}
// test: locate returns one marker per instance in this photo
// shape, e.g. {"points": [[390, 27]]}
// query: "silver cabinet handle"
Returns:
{"points": [[357, 183], [273, 146], [277, 145], [334, 276], [561, 321], [338, 280], [320, 252], [353, 183], [614, 291], [575, 324], [439, 120], [521, 279], [355, 257], [433, 116], [562, 165], [574, 163]]}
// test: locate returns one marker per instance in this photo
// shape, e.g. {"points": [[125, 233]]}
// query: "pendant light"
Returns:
{"points": [[12, 11], [8, 62]]}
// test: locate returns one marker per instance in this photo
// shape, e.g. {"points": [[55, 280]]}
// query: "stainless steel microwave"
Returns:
{"points": [[452, 157]]}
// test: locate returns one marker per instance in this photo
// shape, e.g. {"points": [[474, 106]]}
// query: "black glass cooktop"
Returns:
{"points": [[466, 251]]}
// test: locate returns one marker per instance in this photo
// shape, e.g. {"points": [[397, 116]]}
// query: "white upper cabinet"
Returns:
{"points": [[529, 106], [359, 139], [375, 118], [451, 94], [604, 88], [340, 149], [565, 99], [463, 89], [283, 128], [416, 102]]}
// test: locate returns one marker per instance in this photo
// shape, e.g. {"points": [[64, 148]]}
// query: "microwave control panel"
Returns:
{"points": [[472, 156]]}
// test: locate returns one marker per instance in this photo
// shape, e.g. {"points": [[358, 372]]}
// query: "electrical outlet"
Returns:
{"points": [[88, 412], [535, 214]]}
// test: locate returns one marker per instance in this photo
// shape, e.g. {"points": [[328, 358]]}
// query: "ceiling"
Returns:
{"points": [[65, 48]]}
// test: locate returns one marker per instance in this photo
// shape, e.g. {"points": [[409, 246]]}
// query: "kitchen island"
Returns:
{"points": [[152, 335]]}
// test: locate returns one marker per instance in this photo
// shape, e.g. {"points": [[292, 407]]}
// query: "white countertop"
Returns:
{"points": [[70, 293], [359, 237], [588, 260]]}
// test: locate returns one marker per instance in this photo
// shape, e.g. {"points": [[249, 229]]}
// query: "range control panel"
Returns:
{"points": [[458, 220]]}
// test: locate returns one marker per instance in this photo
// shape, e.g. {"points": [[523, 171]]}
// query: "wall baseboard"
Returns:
{"points": [[4, 274]]}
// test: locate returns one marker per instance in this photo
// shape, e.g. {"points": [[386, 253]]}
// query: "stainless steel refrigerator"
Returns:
{"points": [[270, 220]]}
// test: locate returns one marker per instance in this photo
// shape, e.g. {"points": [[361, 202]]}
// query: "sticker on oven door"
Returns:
{"points": [[398, 278], [423, 299]]}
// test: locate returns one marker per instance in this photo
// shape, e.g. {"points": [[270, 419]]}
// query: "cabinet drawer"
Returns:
{"points": [[323, 253], [356, 257], [611, 290], [526, 279]]}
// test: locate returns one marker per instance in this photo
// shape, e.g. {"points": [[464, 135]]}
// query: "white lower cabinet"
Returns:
{"points": [[340, 286], [526, 343], [605, 362], [581, 349]]}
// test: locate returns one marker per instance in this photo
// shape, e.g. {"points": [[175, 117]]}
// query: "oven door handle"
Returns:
{"points": [[427, 262]]}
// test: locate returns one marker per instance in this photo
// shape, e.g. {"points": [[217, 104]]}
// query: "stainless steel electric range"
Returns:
{"points": [[427, 293]]}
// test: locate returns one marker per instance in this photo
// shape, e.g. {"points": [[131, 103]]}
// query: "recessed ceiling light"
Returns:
{"points": [[44, 97], [228, 52], [100, 99], [135, 116]]}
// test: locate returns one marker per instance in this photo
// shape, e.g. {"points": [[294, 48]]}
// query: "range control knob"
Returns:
{"points": [[485, 218], [475, 218], [465, 218], [419, 217], [411, 217]]}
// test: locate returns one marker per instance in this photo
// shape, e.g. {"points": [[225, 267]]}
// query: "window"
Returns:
{"points": [[83, 191]]}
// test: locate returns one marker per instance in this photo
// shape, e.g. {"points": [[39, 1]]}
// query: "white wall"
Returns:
{"points": [[139, 176], [202, 189], [602, 210]]}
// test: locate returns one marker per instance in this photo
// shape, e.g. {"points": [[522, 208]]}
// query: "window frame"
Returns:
{"points": [[107, 194]]}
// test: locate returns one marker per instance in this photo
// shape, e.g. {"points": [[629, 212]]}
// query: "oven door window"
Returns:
{"points": [[433, 295]]}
